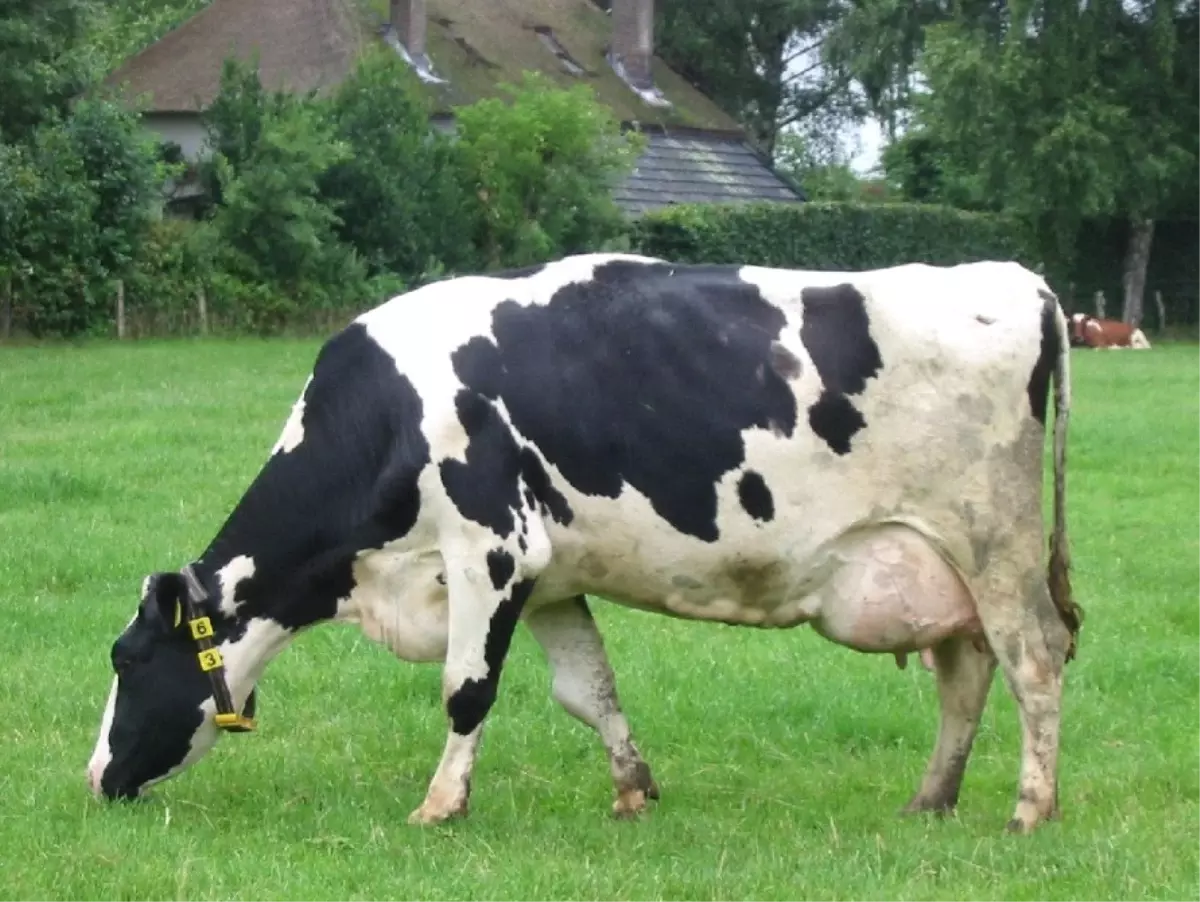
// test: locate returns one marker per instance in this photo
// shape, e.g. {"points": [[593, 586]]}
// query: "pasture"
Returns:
{"points": [[782, 758]]}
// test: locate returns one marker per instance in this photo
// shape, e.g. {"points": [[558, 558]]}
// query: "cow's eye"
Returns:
{"points": [[121, 659]]}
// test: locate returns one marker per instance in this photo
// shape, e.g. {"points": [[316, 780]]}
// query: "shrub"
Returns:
{"points": [[273, 236], [79, 200], [828, 235], [401, 205], [160, 290], [540, 171]]}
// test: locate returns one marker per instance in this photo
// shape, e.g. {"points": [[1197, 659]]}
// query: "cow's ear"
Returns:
{"points": [[162, 601]]}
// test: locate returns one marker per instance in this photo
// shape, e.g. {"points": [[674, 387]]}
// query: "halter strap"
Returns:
{"points": [[228, 718]]}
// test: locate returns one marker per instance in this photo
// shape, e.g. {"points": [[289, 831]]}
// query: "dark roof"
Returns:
{"points": [[683, 167], [302, 45]]}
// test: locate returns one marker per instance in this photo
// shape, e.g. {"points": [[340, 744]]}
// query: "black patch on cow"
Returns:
{"points": [[834, 419], [837, 333], [1039, 379], [485, 487], [350, 485], [477, 364], [756, 496], [470, 703], [647, 374], [543, 490], [501, 567], [784, 362]]}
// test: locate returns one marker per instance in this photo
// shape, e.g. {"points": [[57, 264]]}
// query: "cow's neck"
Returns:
{"points": [[276, 556]]}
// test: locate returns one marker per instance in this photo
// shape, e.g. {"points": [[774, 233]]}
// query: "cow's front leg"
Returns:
{"points": [[584, 685], [486, 595]]}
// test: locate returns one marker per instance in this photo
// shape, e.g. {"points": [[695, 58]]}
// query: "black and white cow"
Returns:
{"points": [[861, 452]]}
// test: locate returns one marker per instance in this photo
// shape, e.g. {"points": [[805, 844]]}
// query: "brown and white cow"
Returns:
{"points": [[1092, 332]]}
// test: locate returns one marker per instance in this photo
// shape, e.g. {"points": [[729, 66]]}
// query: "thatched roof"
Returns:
{"points": [[696, 151], [301, 45], [474, 44]]}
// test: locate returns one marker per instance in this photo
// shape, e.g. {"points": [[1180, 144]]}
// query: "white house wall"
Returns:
{"points": [[185, 129]]}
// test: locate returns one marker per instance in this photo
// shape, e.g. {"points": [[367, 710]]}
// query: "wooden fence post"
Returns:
{"points": [[120, 308], [202, 309], [1162, 311], [6, 312], [1099, 303]]}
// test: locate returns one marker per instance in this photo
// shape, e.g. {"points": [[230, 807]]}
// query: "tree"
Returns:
{"points": [[120, 165], [44, 64], [272, 225], [121, 29], [760, 61], [401, 205], [877, 43], [1071, 111], [540, 171]]}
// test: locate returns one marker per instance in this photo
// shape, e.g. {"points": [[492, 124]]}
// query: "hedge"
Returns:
{"points": [[849, 236]]}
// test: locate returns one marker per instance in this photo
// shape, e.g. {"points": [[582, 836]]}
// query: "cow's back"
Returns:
{"points": [[706, 432]]}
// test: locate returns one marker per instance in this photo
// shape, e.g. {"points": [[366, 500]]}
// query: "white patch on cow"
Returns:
{"points": [[293, 429], [1138, 340], [246, 658], [102, 753], [228, 577], [399, 602]]}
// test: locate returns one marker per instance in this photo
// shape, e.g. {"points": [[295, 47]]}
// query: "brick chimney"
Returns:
{"points": [[633, 41], [407, 18]]}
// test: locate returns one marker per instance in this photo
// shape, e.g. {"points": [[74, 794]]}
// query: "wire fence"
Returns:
{"points": [[1169, 307], [1165, 306]]}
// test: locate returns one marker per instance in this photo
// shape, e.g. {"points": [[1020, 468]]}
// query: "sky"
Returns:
{"points": [[862, 142], [868, 137]]}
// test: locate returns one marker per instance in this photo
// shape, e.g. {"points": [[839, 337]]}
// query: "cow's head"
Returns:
{"points": [[160, 717], [1079, 323]]}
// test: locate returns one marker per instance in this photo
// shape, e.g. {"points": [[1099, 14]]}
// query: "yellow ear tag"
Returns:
{"points": [[178, 613], [201, 628], [210, 659]]}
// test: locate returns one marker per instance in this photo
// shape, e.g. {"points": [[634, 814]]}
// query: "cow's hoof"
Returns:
{"points": [[1019, 826], [921, 805], [437, 814], [1024, 824], [631, 802]]}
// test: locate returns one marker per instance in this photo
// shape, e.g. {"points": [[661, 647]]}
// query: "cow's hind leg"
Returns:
{"points": [[964, 674], [584, 685], [486, 594], [1030, 641]]}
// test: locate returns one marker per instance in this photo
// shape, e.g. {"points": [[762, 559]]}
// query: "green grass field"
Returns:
{"points": [[782, 758]]}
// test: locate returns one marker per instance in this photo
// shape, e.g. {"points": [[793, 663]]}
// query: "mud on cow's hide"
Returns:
{"points": [[858, 451]]}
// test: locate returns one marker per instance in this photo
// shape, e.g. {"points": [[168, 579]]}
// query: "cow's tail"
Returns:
{"points": [[1059, 567]]}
